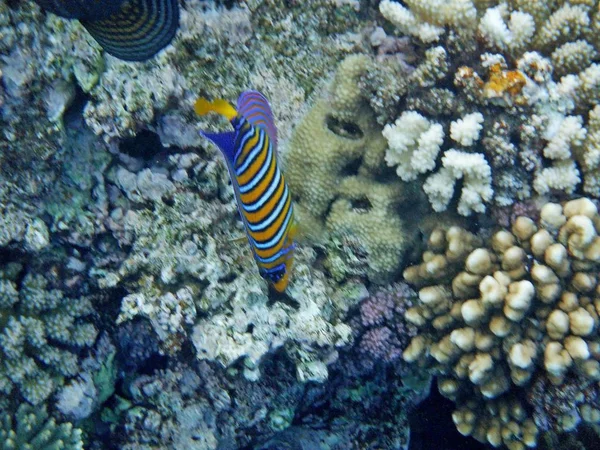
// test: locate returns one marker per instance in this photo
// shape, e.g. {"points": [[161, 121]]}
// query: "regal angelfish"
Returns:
{"points": [[132, 30], [262, 195]]}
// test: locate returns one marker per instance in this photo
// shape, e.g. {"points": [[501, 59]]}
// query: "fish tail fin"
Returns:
{"points": [[219, 105]]}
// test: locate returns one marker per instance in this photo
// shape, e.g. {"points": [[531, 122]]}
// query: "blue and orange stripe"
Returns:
{"points": [[262, 194], [264, 198]]}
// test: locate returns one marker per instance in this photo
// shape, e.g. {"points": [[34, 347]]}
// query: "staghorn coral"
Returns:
{"points": [[499, 320], [40, 330], [31, 429]]}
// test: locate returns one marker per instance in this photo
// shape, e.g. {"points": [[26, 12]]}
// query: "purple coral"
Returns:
{"points": [[377, 309], [380, 328], [506, 216], [381, 343]]}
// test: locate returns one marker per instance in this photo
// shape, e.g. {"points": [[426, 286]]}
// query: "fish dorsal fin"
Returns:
{"points": [[254, 107], [225, 141]]}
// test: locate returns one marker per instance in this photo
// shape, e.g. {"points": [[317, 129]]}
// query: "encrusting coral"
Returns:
{"points": [[500, 319], [526, 82], [339, 144]]}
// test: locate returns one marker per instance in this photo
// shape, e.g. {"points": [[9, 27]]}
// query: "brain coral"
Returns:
{"points": [[335, 171], [511, 324]]}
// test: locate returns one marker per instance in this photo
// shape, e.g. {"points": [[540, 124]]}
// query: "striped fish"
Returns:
{"points": [[262, 195], [132, 30]]}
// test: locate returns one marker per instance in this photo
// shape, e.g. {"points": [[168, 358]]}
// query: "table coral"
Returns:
{"points": [[499, 318]]}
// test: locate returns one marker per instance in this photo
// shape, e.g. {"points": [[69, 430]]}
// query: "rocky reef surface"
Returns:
{"points": [[443, 161]]}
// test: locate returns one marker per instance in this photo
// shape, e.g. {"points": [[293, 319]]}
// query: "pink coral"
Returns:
{"points": [[381, 343], [380, 328]]}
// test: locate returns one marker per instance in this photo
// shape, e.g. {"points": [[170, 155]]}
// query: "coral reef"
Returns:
{"points": [[204, 407], [311, 329], [511, 324], [39, 328], [216, 52], [31, 429], [115, 217], [525, 81], [186, 273], [340, 145]]}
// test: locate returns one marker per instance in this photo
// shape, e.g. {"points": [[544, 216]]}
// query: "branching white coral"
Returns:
{"points": [[568, 133], [414, 144], [517, 33], [562, 176], [477, 186], [408, 23], [465, 131]]}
